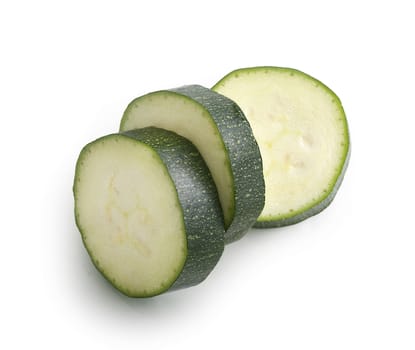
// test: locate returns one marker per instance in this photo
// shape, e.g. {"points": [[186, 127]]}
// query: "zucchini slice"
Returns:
{"points": [[148, 211], [223, 136], [302, 132]]}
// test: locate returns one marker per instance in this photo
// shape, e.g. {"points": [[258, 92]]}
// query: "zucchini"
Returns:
{"points": [[223, 136], [148, 211], [302, 132]]}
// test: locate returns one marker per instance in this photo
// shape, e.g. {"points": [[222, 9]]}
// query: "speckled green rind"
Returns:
{"points": [[196, 192], [199, 200], [241, 147], [244, 155], [324, 201]]}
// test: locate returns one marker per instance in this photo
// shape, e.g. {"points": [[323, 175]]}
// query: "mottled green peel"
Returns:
{"points": [[148, 211], [223, 136]]}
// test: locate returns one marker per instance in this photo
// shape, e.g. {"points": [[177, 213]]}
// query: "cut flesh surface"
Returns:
{"points": [[168, 110], [133, 215], [302, 133]]}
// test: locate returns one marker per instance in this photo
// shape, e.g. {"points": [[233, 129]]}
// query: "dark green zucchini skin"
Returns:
{"points": [[245, 157], [198, 197]]}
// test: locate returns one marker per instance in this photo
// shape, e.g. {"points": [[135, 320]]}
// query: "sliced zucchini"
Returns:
{"points": [[148, 211], [223, 136], [302, 132]]}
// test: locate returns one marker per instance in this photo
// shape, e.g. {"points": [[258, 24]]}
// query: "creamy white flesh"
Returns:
{"points": [[300, 128], [189, 119], [129, 215]]}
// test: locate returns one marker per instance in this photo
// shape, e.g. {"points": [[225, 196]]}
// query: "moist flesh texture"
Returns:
{"points": [[119, 203], [302, 133], [181, 114]]}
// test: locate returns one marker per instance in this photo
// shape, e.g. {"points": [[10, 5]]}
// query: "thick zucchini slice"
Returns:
{"points": [[302, 132], [223, 136], [148, 211]]}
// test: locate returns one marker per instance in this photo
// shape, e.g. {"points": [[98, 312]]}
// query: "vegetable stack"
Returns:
{"points": [[193, 169]]}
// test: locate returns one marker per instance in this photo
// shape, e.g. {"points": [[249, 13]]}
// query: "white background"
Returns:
{"points": [[344, 279]]}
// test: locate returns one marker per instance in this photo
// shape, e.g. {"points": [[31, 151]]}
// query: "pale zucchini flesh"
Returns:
{"points": [[182, 114], [223, 136], [148, 211], [302, 132]]}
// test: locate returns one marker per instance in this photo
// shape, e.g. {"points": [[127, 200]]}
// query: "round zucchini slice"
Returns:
{"points": [[148, 211], [302, 132], [223, 136]]}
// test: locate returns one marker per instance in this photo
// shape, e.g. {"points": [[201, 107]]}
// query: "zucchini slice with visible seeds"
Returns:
{"points": [[302, 132], [148, 211], [223, 136]]}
